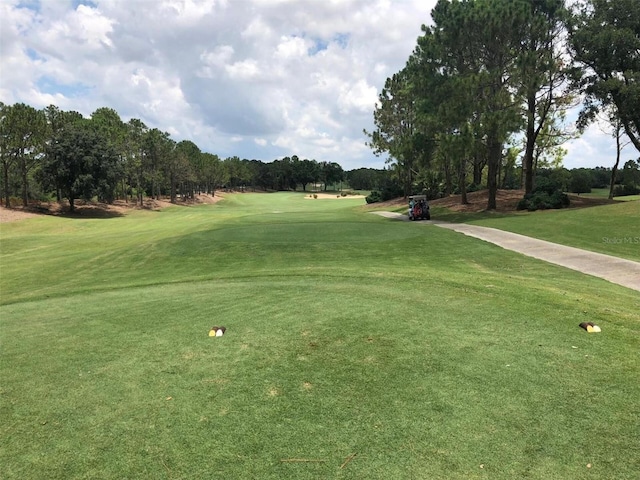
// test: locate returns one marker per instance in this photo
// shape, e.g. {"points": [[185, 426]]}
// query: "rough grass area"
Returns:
{"points": [[604, 193], [611, 229], [356, 347]]}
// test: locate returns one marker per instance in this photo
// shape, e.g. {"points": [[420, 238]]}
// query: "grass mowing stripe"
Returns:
{"points": [[426, 353]]}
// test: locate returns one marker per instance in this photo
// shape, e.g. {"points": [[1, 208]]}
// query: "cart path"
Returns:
{"points": [[616, 270]]}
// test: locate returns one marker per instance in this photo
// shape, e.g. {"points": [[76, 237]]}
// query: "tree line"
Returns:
{"points": [[491, 81], [54, 153]]}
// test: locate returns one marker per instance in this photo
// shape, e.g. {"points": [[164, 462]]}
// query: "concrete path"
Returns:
{"points": [[616, 270]]}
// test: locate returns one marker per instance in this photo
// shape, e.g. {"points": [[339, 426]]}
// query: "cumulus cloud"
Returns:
{"points": [[597, 148], [254, 78]]}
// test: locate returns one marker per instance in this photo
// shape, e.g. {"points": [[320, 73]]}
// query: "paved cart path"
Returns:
{"points": [[616, 270]]}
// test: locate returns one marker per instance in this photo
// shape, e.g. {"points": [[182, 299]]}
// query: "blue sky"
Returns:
{"points": [[260, 79]]}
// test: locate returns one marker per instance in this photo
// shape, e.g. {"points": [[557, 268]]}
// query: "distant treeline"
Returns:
{"points": [[54, 154], [51, 153]]}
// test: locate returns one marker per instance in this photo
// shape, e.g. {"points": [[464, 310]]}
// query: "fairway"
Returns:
{"points": [[356, 347]]}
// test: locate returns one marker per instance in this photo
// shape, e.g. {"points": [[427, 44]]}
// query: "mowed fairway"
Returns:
{"points": [[356, 347]]}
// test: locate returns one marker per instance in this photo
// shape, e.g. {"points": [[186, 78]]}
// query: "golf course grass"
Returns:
{"points": [[604, 193], [356, 347], [610, 229]]}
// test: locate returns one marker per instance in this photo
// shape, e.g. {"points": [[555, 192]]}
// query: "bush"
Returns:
{"points": [[580, 181], [475, 188], [374, 197], [624, 190], [541, 200], [390, 190], [523, 204], [546, 185], [559, 199]]}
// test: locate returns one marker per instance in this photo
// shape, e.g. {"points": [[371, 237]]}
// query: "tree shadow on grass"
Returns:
{"points": [[81, 210]]}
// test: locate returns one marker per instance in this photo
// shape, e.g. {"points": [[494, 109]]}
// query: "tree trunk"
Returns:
{"points": [[447, 176], [138, 189], [72, 207], [462, 179], [7, 197], [477, 169], [615, 167], [634, 139], [173, 186], [25, 183], [495, 153], [527, 160]]}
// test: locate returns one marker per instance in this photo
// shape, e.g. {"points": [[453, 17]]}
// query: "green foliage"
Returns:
{"points": [[625, 190], [630, 174], [23, 131], [374, 197], [604, 37], [81, 163], [542, 199], [581, 181], [330, 173], [366, 178]]}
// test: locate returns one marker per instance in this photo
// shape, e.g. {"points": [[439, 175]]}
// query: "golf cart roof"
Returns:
{"points": [[417, 197]]}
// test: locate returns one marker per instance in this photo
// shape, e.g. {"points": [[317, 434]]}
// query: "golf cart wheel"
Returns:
{"points": [[428, 216]]}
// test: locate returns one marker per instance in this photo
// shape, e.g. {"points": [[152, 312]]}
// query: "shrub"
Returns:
{"points": [[559, 199], [580, 181], [374, 197], [624, 190], [541, 200], [475, 188], [545, 185], [315, 195], [523, 204]]}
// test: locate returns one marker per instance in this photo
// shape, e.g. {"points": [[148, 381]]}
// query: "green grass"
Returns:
{"points": [[628, 198], [597, 193], [604, 193], [609, 229], [426, 353]]}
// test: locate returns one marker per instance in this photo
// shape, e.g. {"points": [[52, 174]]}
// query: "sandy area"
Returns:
{"points": [[96, 210], [12, 214], [506, 201], [330, 196]]}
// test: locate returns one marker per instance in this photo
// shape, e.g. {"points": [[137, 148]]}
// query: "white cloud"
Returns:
{"points": [[360, 96], [254, 78], [244, 70], [292, 47], [596, 148], [219, 57]]}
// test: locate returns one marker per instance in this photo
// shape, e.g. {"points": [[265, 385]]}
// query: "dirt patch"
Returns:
{"points": [[330, 196], [14, 214], [506, 201], [83, 209]]}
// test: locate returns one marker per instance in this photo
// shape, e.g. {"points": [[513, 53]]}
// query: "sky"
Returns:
{"points": [[260, 79]]}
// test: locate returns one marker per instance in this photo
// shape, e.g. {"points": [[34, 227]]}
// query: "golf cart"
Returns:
{"points": [[419, 208]]}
